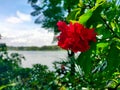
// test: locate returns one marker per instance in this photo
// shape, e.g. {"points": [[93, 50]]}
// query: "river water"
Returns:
{"points": [[42, 57]]}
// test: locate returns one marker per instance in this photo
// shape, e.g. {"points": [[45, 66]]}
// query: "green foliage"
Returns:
{"points": [[49, 12], [102, 61], [8, 65], [97, 67], [14, 77], [3, 46]]}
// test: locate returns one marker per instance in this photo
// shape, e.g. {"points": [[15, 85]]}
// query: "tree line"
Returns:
{"points": [[34, 48]]}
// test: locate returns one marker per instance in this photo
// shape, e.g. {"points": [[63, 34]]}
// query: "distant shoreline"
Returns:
{"points": [[34, 48]]}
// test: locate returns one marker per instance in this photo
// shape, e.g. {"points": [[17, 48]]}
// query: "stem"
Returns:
{"points": [[72, 58], [108, 26]]}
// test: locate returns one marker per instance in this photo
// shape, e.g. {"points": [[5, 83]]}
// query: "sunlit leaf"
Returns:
{"points": [[101, 47], [83, 18], [8, 85], [73, 15]]}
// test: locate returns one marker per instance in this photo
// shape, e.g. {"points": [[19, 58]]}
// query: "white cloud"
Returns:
{"points": [[24, 17], [14, 20], [32, 37], [23, 34], [19, 18]]}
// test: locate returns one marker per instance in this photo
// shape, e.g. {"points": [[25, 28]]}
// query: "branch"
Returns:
{"points": [[108, 26], [117, 86]]}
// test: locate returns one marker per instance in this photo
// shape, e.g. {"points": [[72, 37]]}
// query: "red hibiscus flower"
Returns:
{"points": [[75, 36]]}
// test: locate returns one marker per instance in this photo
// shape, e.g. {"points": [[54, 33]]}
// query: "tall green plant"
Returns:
{"points": [[100, 63], [97, 67]]}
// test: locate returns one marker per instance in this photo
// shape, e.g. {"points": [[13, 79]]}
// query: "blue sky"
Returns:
{"points": [[17, 26]]}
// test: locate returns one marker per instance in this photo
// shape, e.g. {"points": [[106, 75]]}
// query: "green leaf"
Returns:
{"points": [[115, 27], [101, 47], [113, 58], [85, 62], [98, 3], [80, 4], [5, 86], [84, 18], [74, 14], [104, 32]]}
